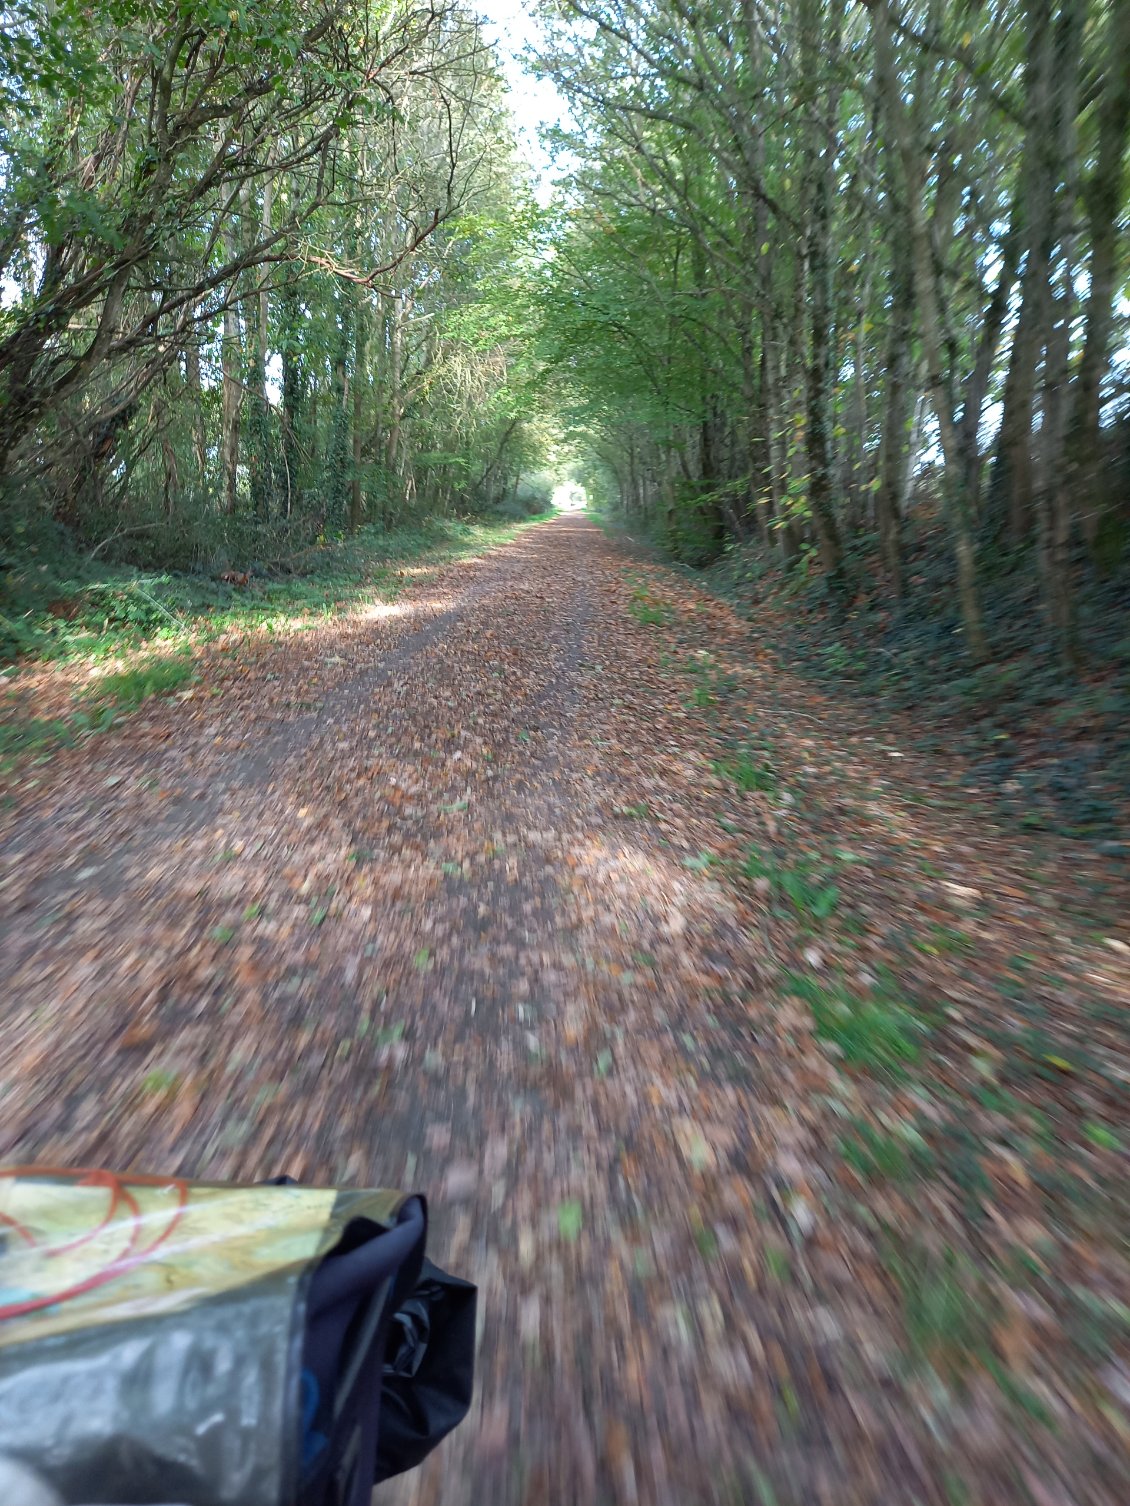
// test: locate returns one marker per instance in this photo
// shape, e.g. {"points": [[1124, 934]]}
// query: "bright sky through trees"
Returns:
{"points": [[534, 102]]}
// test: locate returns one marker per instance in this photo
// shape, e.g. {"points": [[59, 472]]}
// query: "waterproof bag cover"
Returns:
{"points": [[205, 1344]]}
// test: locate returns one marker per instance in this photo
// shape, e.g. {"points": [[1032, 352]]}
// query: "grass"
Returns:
{"points": [[570, 1221], [31, 738], [90, 612], [646, 609], [159, 1082], [948, 1312], [945, 941], [157, 675], [954, 1323], [883, 1155]]}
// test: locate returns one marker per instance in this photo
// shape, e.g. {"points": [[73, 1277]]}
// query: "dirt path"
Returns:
{"points": [[452, 896]]}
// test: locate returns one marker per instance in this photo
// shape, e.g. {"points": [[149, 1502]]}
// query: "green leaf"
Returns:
{"points": [[1099, 1135], [160, 1081], [699, 864], [707, 1241], [569, 1221]]}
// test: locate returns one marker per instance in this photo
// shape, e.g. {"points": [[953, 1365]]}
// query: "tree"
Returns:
{"points": [[261, 218]]}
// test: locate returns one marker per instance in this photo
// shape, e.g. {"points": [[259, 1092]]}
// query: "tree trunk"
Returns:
{"points": [[754, 433], [356, 494], [196, 403], [819, 53], [264, 312], [231, 356], [394, 395], [910, 168], [291, 394], [1104, 198], [898, 417], [340, 449], [261, 458], [1014, 481], [977, 382], [1053, 498]]}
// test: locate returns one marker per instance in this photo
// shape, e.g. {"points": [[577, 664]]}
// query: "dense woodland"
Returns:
{"points": [[820, 281], [834, 270], [249, 257]]}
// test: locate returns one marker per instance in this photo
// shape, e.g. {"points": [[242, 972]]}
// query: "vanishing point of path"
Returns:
{"points": [[455, 895]]}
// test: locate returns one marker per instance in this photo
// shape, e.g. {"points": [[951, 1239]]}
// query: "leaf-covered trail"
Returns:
{"points": [[528, 892]]}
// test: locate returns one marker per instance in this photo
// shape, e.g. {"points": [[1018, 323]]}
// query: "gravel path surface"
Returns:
{"points": [[455, 896]]}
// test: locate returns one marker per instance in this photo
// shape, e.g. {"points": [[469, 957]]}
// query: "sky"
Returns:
{"points": [[534, 102]]}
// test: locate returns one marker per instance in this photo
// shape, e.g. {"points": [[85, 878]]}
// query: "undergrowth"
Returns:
{"points": [[71, 607], [1048, 746], [156, 675]]}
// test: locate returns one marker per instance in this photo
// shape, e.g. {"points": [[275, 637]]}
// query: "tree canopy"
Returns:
{"points": [[240, 251]]}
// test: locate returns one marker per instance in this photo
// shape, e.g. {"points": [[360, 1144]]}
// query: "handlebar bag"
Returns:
{"points": [[206, 1344]]}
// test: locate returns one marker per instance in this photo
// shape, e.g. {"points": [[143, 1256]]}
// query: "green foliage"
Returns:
{"points": [[160, 1082], [1100, 1135], [805, 884], [747, 772], [1048, 748], [735, 329], [948, 1309], [877, 1154], [692, 531], [873, 1031], [570, 1221], [945, 941], [646, 609], [31, 738], [270, 397], [191, 611], [75, 608]]}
